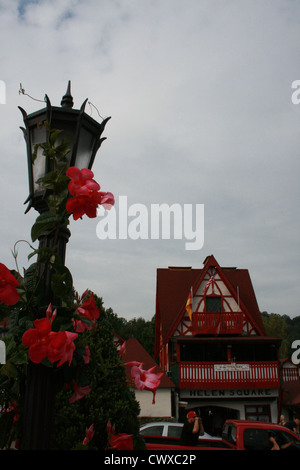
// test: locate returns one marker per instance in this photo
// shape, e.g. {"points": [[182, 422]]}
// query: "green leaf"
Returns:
{"points": [[9, 369], [48, 181], [53, 135], [10, 345], [44, 222], [20, 358], [62, 282], [30, 277]]}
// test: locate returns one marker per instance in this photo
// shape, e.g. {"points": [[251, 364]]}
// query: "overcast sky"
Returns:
{"points": [[200, 98]]}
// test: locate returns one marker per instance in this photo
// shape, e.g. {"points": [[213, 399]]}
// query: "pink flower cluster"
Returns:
{"points": [[88, 311], [86, 194], [8, 286], [44, 343], [120, 441], [144, 379], [79, 392], [56, 346], [89, 434]]}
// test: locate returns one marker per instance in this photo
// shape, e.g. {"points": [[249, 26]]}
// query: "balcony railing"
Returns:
{"points": [[224, 375], [290, 374], [217, 323]]}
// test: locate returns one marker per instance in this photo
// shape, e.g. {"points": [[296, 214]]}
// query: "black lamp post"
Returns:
{"points": [[84, 136]]}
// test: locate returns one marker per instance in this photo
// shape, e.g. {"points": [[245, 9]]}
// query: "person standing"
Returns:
{"points": [[282, 420], [192, 429], [292, 425]]}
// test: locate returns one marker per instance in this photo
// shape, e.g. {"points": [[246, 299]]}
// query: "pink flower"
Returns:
{"points": [[8, 284], [42, 342], [86, 194], [86, 355], [80, 205], [110, 428], [89, 311], [37, 340], [61, 347], [118, 441], [81, 181], [79, 392], [51, 316], [107, 200], [146, 379], [121, 441], [89, 434]]}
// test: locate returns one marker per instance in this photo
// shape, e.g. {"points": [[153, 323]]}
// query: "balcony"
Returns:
{"points": [[217, 323], [225, 375], [290, 374]]}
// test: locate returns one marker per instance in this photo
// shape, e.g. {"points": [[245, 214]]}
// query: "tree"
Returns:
{"points": [[138, 328], [110, 396], [276, 327]]}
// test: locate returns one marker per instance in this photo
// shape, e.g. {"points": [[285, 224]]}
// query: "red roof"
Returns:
{"points": [[135, 352], [173, 287]]}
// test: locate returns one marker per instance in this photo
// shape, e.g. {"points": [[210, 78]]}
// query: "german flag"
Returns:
{"points": [[189, 305]]}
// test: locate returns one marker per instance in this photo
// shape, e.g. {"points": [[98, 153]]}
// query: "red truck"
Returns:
{"points": [[237, 435]]}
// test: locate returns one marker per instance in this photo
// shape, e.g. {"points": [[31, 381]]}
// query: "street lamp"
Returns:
{"points": [[81, 131], [84, 137]]}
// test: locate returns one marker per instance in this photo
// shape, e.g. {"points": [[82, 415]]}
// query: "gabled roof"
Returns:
{"points": [[173, 287], [134, 351]]}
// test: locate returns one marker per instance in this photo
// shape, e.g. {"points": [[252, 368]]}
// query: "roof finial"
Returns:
{"points": [[67, 99]]}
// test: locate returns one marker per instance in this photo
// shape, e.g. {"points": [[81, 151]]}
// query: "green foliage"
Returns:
{"points": [[110, 397], [284, 327], [138, 328]]}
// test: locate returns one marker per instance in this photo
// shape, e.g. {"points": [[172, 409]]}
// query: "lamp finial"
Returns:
{"points": [[67, 99]]}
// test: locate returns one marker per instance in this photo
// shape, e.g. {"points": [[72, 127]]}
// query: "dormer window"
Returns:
{"points": [[213, 304]]}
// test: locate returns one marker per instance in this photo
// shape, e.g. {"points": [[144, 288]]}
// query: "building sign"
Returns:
{"points": [[231, 367], [230, 393]]}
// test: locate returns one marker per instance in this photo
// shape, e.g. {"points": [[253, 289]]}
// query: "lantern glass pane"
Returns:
{"points": [[38, 136], [85, 148]]}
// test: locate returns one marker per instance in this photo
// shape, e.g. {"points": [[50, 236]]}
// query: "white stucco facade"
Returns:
{"points": [[162, 406]]}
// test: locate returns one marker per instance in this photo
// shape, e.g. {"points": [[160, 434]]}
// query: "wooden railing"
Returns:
{"points": [[210, 375], [217, 323], [290, 374]]}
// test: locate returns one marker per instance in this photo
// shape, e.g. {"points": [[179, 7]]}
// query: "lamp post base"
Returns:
{"points": [[39, 406]]}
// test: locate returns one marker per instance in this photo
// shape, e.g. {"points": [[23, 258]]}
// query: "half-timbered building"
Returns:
{"points": [[211, 341]]}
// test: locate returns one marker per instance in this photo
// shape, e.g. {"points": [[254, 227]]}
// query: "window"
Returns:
{"points": [[174, 431], [258, 413], [152, 431], [213, 304], [259, 439], [256, 439], [229, 433]]}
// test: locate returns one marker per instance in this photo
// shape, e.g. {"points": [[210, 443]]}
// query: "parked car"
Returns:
{"points": [[237, 435], [165, 428]]}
